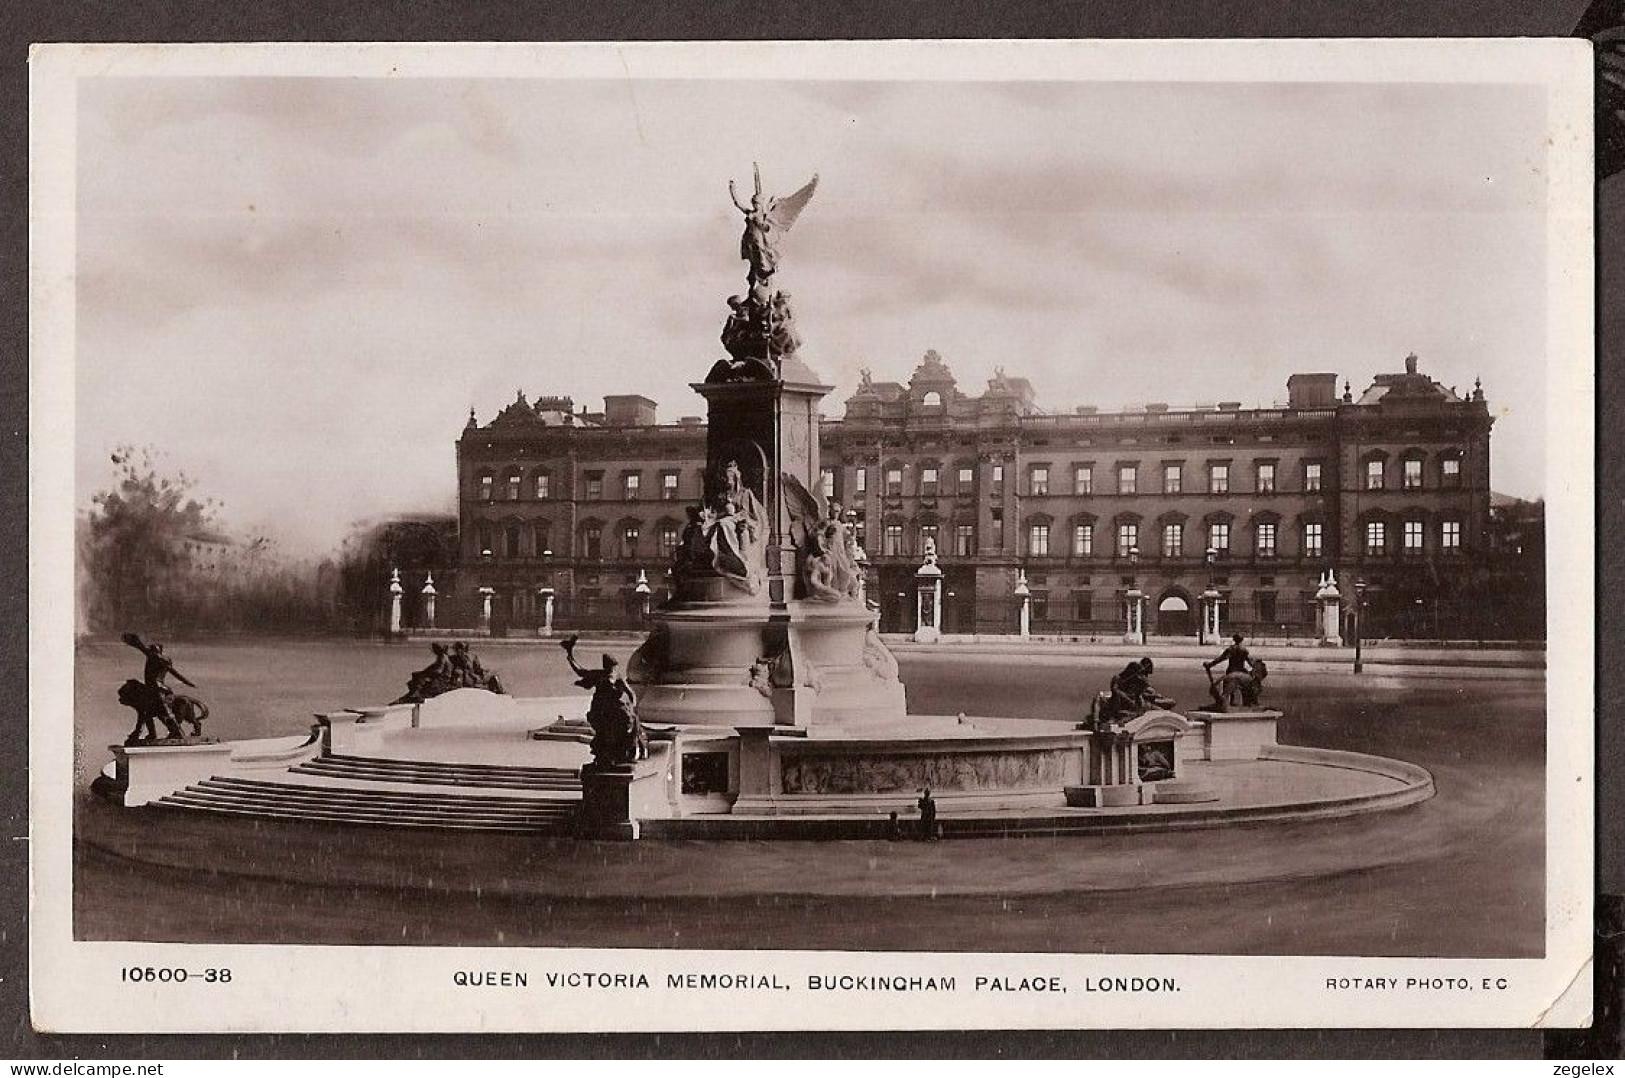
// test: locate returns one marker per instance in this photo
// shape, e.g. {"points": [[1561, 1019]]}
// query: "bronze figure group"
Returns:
{"points": [[454, 667], [1131, 693], [154, 702]]}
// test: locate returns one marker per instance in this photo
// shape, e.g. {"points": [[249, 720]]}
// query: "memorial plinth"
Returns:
{"points": [[146, 772], [1127, 761], [1239, 733]]}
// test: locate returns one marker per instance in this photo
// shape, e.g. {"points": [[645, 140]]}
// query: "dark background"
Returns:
{"points": [[202, 20]]}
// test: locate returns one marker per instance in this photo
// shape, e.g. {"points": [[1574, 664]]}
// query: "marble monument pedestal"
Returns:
{"points": [[799, 667], [1133, 763], [1239, 733], [149, 770]]}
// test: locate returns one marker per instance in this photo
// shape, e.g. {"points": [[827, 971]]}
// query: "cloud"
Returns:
{"points": [[304, 284]]}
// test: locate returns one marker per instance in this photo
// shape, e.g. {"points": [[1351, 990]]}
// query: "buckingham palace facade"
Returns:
{"points": [[1390, 486]]}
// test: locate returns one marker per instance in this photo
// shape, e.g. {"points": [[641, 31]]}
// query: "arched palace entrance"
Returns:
{"points": [[1174, 617]]}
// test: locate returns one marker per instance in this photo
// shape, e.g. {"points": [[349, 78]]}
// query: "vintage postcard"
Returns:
{"points": [[811, 536]]}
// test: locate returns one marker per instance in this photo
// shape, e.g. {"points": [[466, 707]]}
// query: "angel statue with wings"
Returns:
{"points": [[763, 217], [824, 545]]}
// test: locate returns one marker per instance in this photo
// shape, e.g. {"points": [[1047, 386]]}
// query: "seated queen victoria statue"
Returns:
{"points": [[726, 537]]}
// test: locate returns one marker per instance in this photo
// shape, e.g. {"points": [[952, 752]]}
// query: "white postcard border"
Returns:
{"points": [[75, 984]]}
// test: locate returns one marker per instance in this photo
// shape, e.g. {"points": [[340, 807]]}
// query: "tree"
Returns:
{"points": [[374, 547], [136, 533]]}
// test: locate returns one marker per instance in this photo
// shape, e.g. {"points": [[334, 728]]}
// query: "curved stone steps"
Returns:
{"points": [[384, 796], [383, 808], [432, 773]]}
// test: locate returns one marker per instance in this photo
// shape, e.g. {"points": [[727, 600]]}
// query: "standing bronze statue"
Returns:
{"points": [[617, 735]]}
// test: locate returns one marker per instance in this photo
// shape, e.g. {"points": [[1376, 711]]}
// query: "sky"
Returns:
{"points": [[296, 288]]}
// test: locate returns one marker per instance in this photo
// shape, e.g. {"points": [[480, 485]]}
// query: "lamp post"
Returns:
{"points": [[1024, 615], [1331, 603], [1359, 606], [487, 594], [641, 590], [545, 595], [1210, 602], [1135, 633], [395, 592], [928, 597], [429, 594]]}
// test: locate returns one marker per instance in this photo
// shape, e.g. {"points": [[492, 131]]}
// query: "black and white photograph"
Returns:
{"points": [[820, 535]]}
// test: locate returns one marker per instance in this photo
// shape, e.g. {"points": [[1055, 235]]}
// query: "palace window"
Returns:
{"points": [[1373, 475], [1376, 538], [1264, 535], [1173, 477], [595, 485], [515, 480], [1266, 478], [592, 541], [1085, 605], [860, 480], [1313, 538], [1266, 605], [1450, 471], [967, 480], [1083, 540], [1218, 479], [928, 537], [998, 480], [826, 481], [1413, 538], [1127, 478], [998, 529], [629, 541], [1038, 541], [486, 482], [894, 482], [668, 540], [1173, 540], [482, 538], [1128, 539], [928, 480], [668, 486], [1038, 480], [1218, 537], [544, 486], [893, 540], [510, 541], [631, 482], [1411, 478], [1311, 477], [964, 540], [1450, 536], [1083, 479], [539, 536]]}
